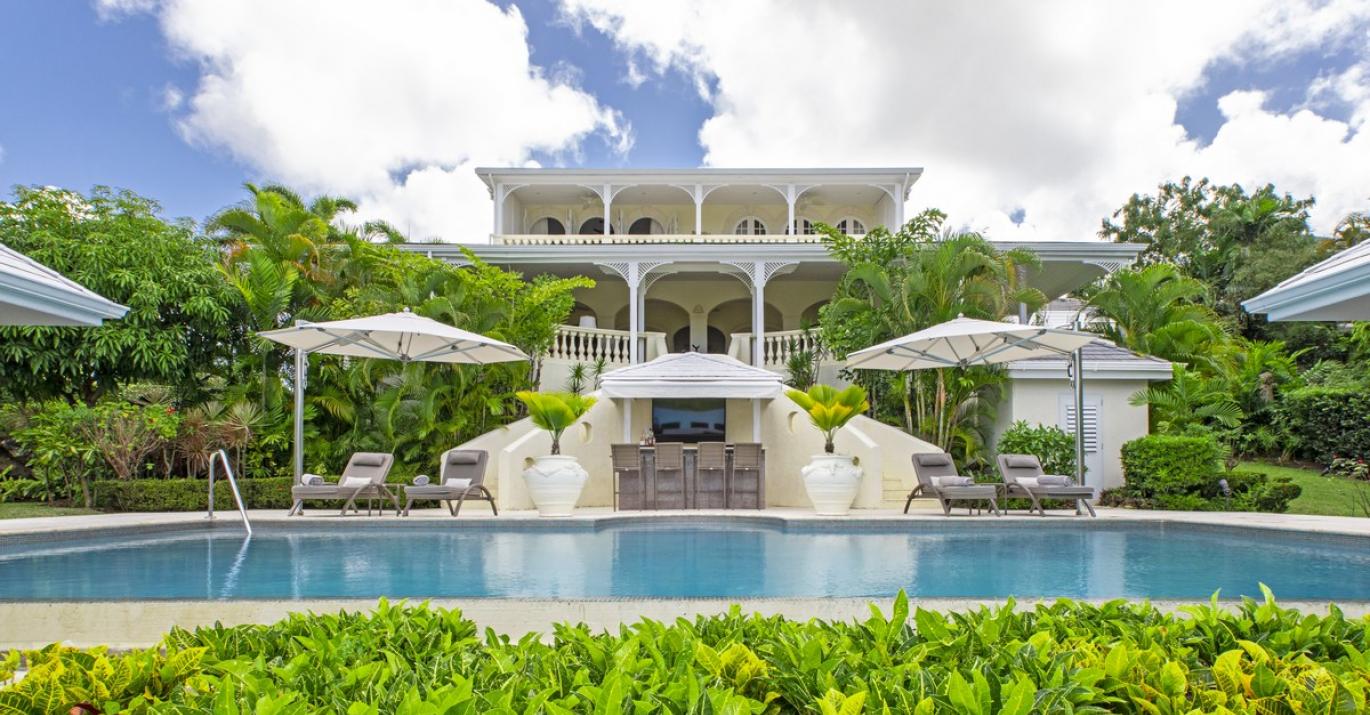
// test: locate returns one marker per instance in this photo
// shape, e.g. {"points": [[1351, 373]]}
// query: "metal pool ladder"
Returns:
{"points": [[214, 459]]}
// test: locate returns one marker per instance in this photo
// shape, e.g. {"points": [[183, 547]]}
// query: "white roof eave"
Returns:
{"points": [[42, 296]]}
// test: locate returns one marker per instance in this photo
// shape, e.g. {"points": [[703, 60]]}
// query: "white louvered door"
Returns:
{"points": [[1094, 464]]}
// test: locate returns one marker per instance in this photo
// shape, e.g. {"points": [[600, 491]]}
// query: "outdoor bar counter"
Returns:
{"points": [[691, 487]]}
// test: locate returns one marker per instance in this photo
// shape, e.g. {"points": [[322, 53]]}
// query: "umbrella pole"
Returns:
{"points": [[1077, 363], [301, 376]]}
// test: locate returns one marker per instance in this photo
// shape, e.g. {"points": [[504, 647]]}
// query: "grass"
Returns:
{"points": [[23, 510], [1323, 496]]}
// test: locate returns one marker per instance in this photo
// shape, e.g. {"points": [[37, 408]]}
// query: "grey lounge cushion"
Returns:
{"points": [[1019, 461], [312, 480], [934, 459], [953, 481], [371, 459], [1053, 480], [420, 480], [463, 458], [457, 483]]}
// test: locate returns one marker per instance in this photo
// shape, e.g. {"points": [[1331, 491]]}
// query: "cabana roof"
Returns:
{"points": [[685, 375], [33, 294], [1335, 289]]}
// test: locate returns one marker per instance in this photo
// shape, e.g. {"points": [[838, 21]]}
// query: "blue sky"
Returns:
{"points": [[83, 103]]}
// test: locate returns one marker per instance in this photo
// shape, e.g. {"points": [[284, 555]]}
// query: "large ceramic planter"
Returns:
{"points": [[554, 484], [832, 481]]}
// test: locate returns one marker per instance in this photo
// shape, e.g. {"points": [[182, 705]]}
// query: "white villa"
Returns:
{"points": [[725, 262]]}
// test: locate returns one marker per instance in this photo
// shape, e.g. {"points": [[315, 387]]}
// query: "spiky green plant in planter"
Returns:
{"points": [[555, 411], [831, 409]]}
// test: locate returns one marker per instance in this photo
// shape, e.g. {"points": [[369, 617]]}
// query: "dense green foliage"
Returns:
{"points": [[1158, 465], [190, 494], [1062, 657], [901, 282], [1167, 472], [1048, 443], [1328, 422], [184, 374], [181, 313]]}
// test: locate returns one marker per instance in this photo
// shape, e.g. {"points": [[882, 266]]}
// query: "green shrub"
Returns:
{"points": [[1048, 443], [1270, 496], [1327, 422], [1250, 491], [189, 494], [15, 490], [1160, 464], [1350, 467], [1059, 657]]}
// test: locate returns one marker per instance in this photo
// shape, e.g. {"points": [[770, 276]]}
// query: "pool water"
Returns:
{"points": [[692, 559]]}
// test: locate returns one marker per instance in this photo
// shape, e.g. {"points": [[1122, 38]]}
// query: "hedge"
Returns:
{"points": [[1158, 465], [189, 494], [1059, 657], [1327, 422]]}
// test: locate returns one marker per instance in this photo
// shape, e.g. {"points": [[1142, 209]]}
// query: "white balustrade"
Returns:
{"points": [[588, 345], [777, 347], [631, 239]]}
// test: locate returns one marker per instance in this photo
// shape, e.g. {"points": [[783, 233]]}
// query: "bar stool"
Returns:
{"points": [[747, 483], [670, 476], [629, 492], [711, 476]]}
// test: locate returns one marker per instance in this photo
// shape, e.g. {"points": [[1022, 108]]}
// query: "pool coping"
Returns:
{"points": [[141, 623]]}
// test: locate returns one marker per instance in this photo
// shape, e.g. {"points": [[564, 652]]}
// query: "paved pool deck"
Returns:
{"points": [[125, 624]]}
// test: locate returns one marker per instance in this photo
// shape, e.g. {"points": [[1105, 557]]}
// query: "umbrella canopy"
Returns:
{"points": [[33, 294], [966, 341], [396, 336], [393, 336]]}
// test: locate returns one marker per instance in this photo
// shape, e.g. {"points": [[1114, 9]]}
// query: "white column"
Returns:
{"points": [[499, 209], [301, 378], [899, 209], [699, 210], [627, 419], [758, 311], [608, 197], [632, 279], [756, 420], [790, 199]]}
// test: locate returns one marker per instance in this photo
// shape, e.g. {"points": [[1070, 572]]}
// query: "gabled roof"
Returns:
{"points": [[1335, 289], [691, 375], [1103, 361], [33, 294]]}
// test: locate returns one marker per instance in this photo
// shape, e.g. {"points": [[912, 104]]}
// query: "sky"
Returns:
{"points": [[1032, 121]]}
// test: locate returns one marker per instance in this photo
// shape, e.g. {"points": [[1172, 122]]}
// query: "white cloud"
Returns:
{"points": [[1061, 109], [391, 103], [172, 98]]}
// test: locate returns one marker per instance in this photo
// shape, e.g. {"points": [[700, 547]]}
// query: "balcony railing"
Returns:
{"points": [[589, 345], [627, 239], [777, 347]]}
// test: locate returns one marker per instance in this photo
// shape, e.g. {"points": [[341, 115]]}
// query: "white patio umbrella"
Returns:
{"points": [[393, 336], [965, 342]]}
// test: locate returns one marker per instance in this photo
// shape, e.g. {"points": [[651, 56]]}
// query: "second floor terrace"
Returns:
{"points": [[596, 206]]}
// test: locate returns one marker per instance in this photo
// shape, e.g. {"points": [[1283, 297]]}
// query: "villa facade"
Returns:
{"points": [[722, 261]]}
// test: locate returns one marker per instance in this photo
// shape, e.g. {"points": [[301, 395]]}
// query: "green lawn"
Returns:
{"points": [[1327, 496], [22, 510]]}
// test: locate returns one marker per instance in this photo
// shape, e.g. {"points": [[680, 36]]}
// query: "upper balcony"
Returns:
{"points": [[575, 206]]}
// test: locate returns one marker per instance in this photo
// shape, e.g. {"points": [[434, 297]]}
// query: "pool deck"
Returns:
{"points": [[125, 624]]}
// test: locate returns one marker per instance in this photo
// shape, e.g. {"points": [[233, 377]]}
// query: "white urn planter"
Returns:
{"points": [[832, 481], [554, 484]]}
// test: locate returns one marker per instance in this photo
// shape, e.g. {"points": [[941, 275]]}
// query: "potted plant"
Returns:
{"points": [[555, 480], [831, 479]]}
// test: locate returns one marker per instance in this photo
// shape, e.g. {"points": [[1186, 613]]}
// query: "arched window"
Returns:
{"points": [[750, 226], [645, 226], [594, 227], [548, 226], [851, 226], [804, 226]]}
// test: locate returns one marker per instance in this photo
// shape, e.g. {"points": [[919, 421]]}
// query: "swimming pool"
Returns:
{"points": [[694, 558]]}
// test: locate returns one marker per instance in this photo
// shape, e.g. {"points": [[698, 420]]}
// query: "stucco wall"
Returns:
{"points": [[1037, 401], [882, 451]]}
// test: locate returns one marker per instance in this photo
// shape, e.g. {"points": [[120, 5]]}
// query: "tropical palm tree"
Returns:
{"points": [[1189, 401], [1154, 310]]}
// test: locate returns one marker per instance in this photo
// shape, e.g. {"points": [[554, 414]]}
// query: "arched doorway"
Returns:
{"points": [[660, 317], [735, 316], [646, 226], [548, 226], [715, 341], [594, 227]]}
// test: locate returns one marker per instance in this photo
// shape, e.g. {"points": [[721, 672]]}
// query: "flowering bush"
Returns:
{"points": [[1351, 467]]}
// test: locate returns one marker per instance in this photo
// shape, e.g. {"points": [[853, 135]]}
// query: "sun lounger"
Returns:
{"points": [[937, 478], [364, 477], [1024, 477], [460, 477]]}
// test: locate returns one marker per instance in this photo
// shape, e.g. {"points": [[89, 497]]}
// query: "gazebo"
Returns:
{"points": [[691, 375]]}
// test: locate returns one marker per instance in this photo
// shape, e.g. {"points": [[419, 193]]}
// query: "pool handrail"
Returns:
{"points": [[222, 456]]}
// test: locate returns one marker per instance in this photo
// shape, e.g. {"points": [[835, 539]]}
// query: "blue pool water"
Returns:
{"points": [[691, 559]]}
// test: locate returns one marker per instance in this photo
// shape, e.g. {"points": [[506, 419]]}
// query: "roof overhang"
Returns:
{"points": [[529, 176], [691, 375], [1336, 289], [33, 294], [1066, 265], [1148, 370]]}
